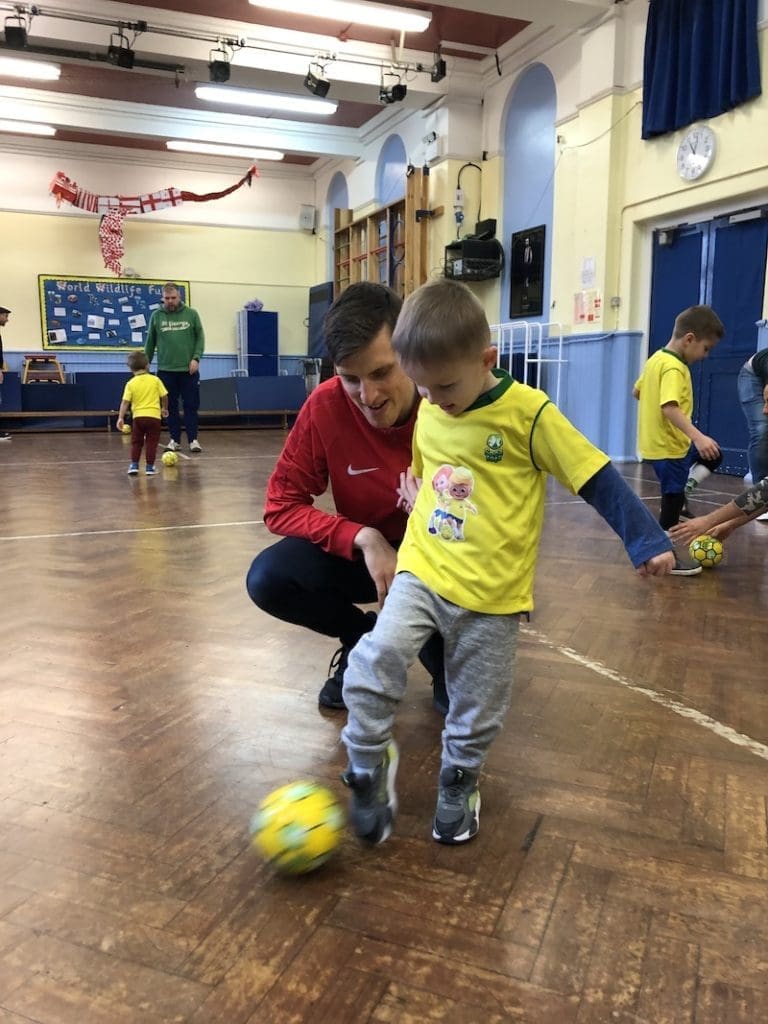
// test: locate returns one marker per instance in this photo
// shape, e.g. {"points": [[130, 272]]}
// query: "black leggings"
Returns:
{"points": [[298, 582]]}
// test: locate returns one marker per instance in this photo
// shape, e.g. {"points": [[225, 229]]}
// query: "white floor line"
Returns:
{"points": [[139, 529], [725, 732], [35, 464]]}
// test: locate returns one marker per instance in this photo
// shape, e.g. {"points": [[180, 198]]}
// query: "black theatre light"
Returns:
{"points": [[119, 52], [316, 83], [393, 93], [15, 32], [437, 74], [219, 65]]}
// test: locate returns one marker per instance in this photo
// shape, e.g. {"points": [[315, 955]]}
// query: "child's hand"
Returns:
{"points": [[707, 447], [659, 565], [120, 423], [684, 532], [164, 413]]}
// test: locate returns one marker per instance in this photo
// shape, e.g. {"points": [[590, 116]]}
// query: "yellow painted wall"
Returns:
{"points": [[225, 268]]}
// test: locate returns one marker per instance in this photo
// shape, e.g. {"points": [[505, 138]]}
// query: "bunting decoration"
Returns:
{"points": [[113, 209]]}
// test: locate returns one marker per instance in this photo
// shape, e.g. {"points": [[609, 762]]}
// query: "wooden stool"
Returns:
{"points": [[42, 369]]}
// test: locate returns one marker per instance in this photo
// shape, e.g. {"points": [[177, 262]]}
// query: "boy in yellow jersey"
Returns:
{"points": [[483, 446], [147, 398], [667, 438]]}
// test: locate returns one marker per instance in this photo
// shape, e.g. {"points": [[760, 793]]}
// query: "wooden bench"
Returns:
{"points": [[50, 414], [82, 414]]}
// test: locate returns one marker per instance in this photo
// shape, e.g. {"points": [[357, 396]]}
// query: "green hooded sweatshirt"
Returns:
{"points": [[177, 336]]}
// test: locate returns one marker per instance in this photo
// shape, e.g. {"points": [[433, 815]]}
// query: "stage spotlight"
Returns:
{"points": [[15, 32], [119, 52], [316, 82], [393, 93], [218, 66], [437, 74]]}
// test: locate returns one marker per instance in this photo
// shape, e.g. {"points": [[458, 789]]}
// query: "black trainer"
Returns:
{"points": [[330, 695]]}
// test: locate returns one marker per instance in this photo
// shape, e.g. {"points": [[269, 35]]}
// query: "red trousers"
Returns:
{"points": [[145, 430]]}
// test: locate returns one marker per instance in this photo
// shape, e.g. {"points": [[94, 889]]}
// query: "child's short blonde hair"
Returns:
{"points": [[440, 322]]}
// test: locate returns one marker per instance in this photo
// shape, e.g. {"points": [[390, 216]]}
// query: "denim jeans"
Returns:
{"points": [[750, 390]]}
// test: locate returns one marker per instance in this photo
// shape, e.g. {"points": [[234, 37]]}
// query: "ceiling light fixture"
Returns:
{"points": [[18, 67], [119, 51], [243, 152], [26, 128], [316, 81], [265, 100], [401, 19]]}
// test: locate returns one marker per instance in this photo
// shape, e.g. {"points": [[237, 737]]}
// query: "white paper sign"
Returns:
{"points": [[138, 320], [137, 336], [96, 321]]}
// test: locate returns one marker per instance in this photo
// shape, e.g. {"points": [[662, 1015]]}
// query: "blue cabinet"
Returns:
{"points": [[257, 343]]}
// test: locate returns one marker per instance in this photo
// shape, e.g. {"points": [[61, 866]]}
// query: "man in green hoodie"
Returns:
{"points": [[177, 334]]}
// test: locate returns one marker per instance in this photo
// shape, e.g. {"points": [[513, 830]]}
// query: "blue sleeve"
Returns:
{"points": [[610, 495]]}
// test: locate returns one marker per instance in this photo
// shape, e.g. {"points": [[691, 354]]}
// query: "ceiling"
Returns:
{"points": [[97, 103]]}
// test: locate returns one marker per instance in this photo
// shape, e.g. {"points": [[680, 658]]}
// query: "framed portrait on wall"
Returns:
{"points": [[526, 277]]}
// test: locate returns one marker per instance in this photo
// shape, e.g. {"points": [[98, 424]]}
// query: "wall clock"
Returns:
{"points": [[696, 152]]}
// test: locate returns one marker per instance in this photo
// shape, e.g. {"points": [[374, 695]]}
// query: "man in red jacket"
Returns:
{"points": [[353, 434]]}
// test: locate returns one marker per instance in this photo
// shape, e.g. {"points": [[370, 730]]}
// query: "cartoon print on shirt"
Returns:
{"points": [[452, 487]]}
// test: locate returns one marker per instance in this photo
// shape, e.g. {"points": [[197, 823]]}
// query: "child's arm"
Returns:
{"points": [[164, 407], [124, 407], [648, 547], [706, 446], [724, 520]]}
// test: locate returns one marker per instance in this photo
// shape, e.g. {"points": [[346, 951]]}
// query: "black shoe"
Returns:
{"points": [[330, 695], [685, 512]]}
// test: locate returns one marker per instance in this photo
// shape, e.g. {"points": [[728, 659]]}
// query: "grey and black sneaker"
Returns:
{"points": [[685, 567], [374, 800], [457, 816], [330, 695], [172, 446]]}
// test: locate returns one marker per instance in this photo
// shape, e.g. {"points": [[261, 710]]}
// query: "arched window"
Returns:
{"points": [[390, 172], [337, 198]]}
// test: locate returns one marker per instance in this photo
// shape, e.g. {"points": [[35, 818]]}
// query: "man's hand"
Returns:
{"points": [[380, 559], [194, 365], [408, 490], [659, 565]]}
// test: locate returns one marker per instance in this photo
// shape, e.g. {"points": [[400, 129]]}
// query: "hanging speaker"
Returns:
{"points": [[307, 218]]}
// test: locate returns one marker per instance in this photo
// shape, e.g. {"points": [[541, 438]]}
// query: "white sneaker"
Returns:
{"points": [[172, 446], [195, 446], [762, 519], [5, 437]]}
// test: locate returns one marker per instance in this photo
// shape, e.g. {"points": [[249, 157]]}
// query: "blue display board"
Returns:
{"points": [[81, 314]]}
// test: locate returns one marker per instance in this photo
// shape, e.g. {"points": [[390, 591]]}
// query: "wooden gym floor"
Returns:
{"points": [[621, 871]]}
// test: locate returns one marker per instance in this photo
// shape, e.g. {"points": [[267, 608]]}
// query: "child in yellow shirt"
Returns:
{"points": [[147, 398]]}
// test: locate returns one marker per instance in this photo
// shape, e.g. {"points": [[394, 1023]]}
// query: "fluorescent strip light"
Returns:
{"points": [[402, 19], [215, 150], [26, 128], [13, 67], [265, 100]]}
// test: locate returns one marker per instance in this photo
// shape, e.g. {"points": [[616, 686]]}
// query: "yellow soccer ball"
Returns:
{"points": [[126, 428], [170, 458], [297, 827], [706, 551]]}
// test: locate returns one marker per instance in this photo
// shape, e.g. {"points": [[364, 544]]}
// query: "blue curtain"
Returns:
{"points": [[701, 59]]}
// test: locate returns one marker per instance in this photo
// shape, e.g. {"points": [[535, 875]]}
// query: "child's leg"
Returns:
{"points": [[671, 474], [376, 675], [480, 652], [152, 438], [699, 470], [137, 438]]}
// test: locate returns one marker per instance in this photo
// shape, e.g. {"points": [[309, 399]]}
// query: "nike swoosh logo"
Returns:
{"points": [[357, 472]]}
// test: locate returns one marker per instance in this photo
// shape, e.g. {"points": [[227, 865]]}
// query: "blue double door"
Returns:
{"points": [[720, 263]]}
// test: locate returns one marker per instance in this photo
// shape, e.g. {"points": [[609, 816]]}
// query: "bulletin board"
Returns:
{"points": [[104, 314]]}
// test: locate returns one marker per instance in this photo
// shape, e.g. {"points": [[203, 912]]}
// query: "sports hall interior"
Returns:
{"points": [[620, 875]]}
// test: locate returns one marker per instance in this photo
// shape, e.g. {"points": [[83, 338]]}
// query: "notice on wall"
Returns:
{"points": [[587, 306]]}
